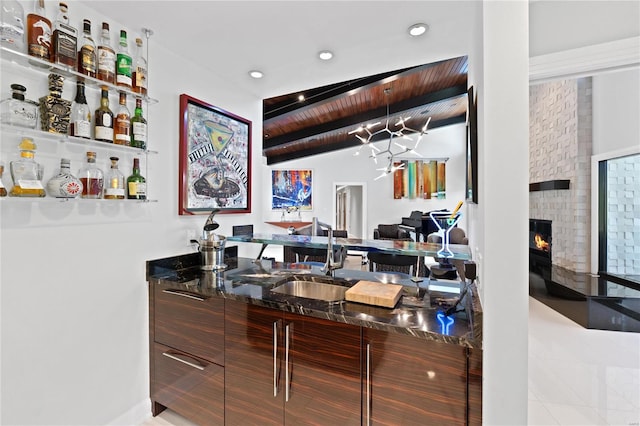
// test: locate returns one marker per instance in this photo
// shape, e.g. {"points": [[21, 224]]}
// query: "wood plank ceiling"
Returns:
{"points": [[321, 122]]}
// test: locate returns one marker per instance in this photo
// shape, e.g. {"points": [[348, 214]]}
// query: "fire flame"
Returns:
{"points": [[540, 243]]}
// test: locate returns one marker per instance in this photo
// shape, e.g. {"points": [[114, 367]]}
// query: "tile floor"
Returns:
{"points": [[579, 376], [576, 376]]}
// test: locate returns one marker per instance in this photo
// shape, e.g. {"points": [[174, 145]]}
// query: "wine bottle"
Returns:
{"points": [[138, 127], [136, 183], [88, 53], [80, 125], [91, 177], [104, 118], [122, 125], [114, 182]]}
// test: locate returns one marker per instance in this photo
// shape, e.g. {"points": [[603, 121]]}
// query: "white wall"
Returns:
{"points": [[503, 163], [616, 108], [74, 340], [556, 26], [73, 292], [343, 166]]}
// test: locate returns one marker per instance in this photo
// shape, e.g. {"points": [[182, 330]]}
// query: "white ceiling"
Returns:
{"points": [[282, 38]]}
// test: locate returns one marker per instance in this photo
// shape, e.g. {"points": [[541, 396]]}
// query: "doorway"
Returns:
{"points": [[350, 208]]}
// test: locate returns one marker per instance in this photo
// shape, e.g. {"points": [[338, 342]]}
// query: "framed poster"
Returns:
{"points": [[292, 189], [214, 159]]}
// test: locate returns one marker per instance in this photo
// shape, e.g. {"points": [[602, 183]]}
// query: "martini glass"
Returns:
{"points": [[445, 221]]}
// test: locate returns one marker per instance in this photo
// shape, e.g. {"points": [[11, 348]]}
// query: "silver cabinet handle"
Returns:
{"points": [[181, 293], [368, 384], [190, 364], [287, 379], [275, 358]]}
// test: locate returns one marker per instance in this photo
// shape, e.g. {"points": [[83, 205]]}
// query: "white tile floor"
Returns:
{"points": [[576, 376], [579, 376]]}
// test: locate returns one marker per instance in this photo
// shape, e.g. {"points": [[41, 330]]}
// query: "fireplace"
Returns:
{"points": [[540, 240]]}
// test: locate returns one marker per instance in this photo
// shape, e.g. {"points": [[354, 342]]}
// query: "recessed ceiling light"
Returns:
{"points": [[418, 29], [256, 74], [325, 55], [301, 98]]}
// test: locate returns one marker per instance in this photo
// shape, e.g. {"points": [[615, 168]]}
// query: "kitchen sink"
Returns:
{"points": [[326, 290]]}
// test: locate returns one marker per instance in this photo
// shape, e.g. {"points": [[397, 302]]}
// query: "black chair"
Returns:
{"points": [[310, 254], [391, 232], [387, 262]]}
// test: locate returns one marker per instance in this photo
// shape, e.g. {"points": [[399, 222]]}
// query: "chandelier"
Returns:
{"points": [[365, 134]]}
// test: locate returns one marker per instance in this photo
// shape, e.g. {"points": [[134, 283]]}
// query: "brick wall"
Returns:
{"points": [[623, 215], [560, 127]]}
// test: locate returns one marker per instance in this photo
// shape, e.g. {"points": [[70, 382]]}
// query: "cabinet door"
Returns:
{"points": [[189, 322], [253, 350], [475, 386], [411, 381], [190, 386], [322, 380]]}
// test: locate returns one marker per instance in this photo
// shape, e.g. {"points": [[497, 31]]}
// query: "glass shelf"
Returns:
{"points": [[73, 200], [47, 67], [39, 134], [410, 248]]}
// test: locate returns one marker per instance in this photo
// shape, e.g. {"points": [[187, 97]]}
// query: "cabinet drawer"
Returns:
{"points": [[189, 322], [192, 387]]}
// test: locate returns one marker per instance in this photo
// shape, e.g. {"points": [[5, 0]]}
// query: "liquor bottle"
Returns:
{"points": [[106, 57], [138, 127], [55, 112], [3, 190], [104, 118], [80, 114], [91, 177], [136, 183], [39, 32], [122, 125], [26, 173], [140, 70], [17, 110], [65, 39], [123, 62], [64, 185], [88, 53], [114, 181], [12, 25]]}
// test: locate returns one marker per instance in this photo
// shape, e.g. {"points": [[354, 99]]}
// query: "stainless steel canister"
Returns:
{"points": [[212, 252]]}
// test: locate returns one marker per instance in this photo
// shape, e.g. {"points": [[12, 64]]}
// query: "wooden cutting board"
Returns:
{"points": [[373, 293]]}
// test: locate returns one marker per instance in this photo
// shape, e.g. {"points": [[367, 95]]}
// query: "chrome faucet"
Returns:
{"points": [[332, 263], [210, 224]]}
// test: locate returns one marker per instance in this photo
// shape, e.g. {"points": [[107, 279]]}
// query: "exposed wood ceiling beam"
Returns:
{"points": [[273, 158], [349, 123]]}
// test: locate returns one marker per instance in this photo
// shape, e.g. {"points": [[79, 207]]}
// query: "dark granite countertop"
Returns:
{"points": [[250, 281]]}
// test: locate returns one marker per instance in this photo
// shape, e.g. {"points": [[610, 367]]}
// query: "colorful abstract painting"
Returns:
{"points": [[420, 179], [215, 159], [291, 189]]}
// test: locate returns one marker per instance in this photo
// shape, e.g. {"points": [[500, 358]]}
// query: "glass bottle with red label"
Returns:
{"points": [[91, 177]]}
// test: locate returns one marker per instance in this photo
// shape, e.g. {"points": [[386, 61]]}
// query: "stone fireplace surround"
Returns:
{"points": [[560, 148], [560, 128]]}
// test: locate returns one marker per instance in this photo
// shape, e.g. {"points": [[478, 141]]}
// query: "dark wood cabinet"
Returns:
{"points": [[324, 372], [190, 322], [190, 386], [186, 353], [255, 361], [217, 360], [285, 368], [474, 398], [409, 381]]}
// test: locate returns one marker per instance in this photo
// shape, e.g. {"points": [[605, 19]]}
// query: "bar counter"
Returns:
{"points": [[419, 312]]}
